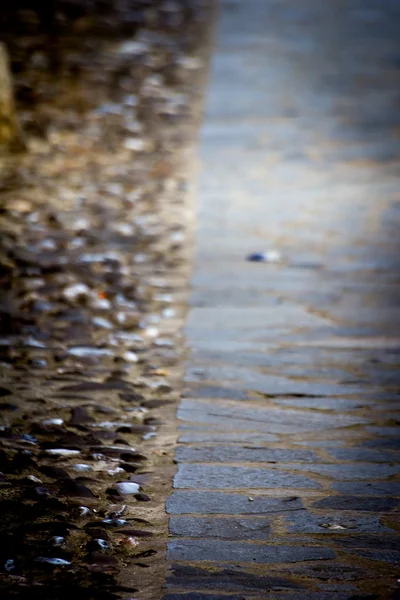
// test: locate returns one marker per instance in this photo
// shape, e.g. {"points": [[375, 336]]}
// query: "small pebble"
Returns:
{"points": [[76, 291], [136, 144], [29, 438], [62, 452], [9, 565], [127, 487], [57, 541], [102, 544], [82, 351], [116, 471], [101, 322], [152, 332], [53, 422], [115, 522], [83, 511], [132, 48], [332, 526], [270, 256], [129, 542], [98, 456], [58, 562], [81, 467], [130, 356], [34, 479]]}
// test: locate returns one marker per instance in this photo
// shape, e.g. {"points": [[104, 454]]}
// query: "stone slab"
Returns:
{"points": [[203, 476], [221, 528], [228, 551], [186, 502], [232, 454]]}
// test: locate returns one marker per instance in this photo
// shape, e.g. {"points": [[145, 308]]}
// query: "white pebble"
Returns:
{"points": [[100, 322], [130, 356], [62, 452], [152, 332], [72, 292], [81, 467], [82, 351], [57, 540], [53, 422], [34, 479], [136, 144], [58, 562], [127, 487], [132, 47]]}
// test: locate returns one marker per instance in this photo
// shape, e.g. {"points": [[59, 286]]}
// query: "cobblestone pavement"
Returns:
{"points": [[288, 477]]}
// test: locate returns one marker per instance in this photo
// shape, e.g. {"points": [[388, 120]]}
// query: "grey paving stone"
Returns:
{"points": [[240, 389], [216, 391], [385, 431], [227, 551], [373, 488], [364, 455], [334, 523], [342, 441], [384, 443], [254, 596], [347, 471], [257, 418], [333, 571], [186, 502], [338, 587], [338, 404], [382, 542], [209, 319], [204, 436], [388, 556], [222, 528], [200, 596], [368, 503], [203, 476], [243, 454], [233, 579], [238, 382], [308, 595]]}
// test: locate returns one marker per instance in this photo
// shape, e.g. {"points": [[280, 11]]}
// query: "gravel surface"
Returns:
{"points": [[93, 270]]}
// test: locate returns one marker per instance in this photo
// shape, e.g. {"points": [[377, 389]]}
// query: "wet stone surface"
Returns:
{"points": [[183, 502], [288, 456], [247, 454], [227, 477], [236, 529], [92, 274], [222, 551], [222, 578]]}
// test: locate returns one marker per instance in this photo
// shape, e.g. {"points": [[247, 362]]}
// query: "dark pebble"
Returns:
{"points": [[142, 497], [130, 467], [54, 472], [71, 487], [256, 257], [8, 406], [79, 415]]}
